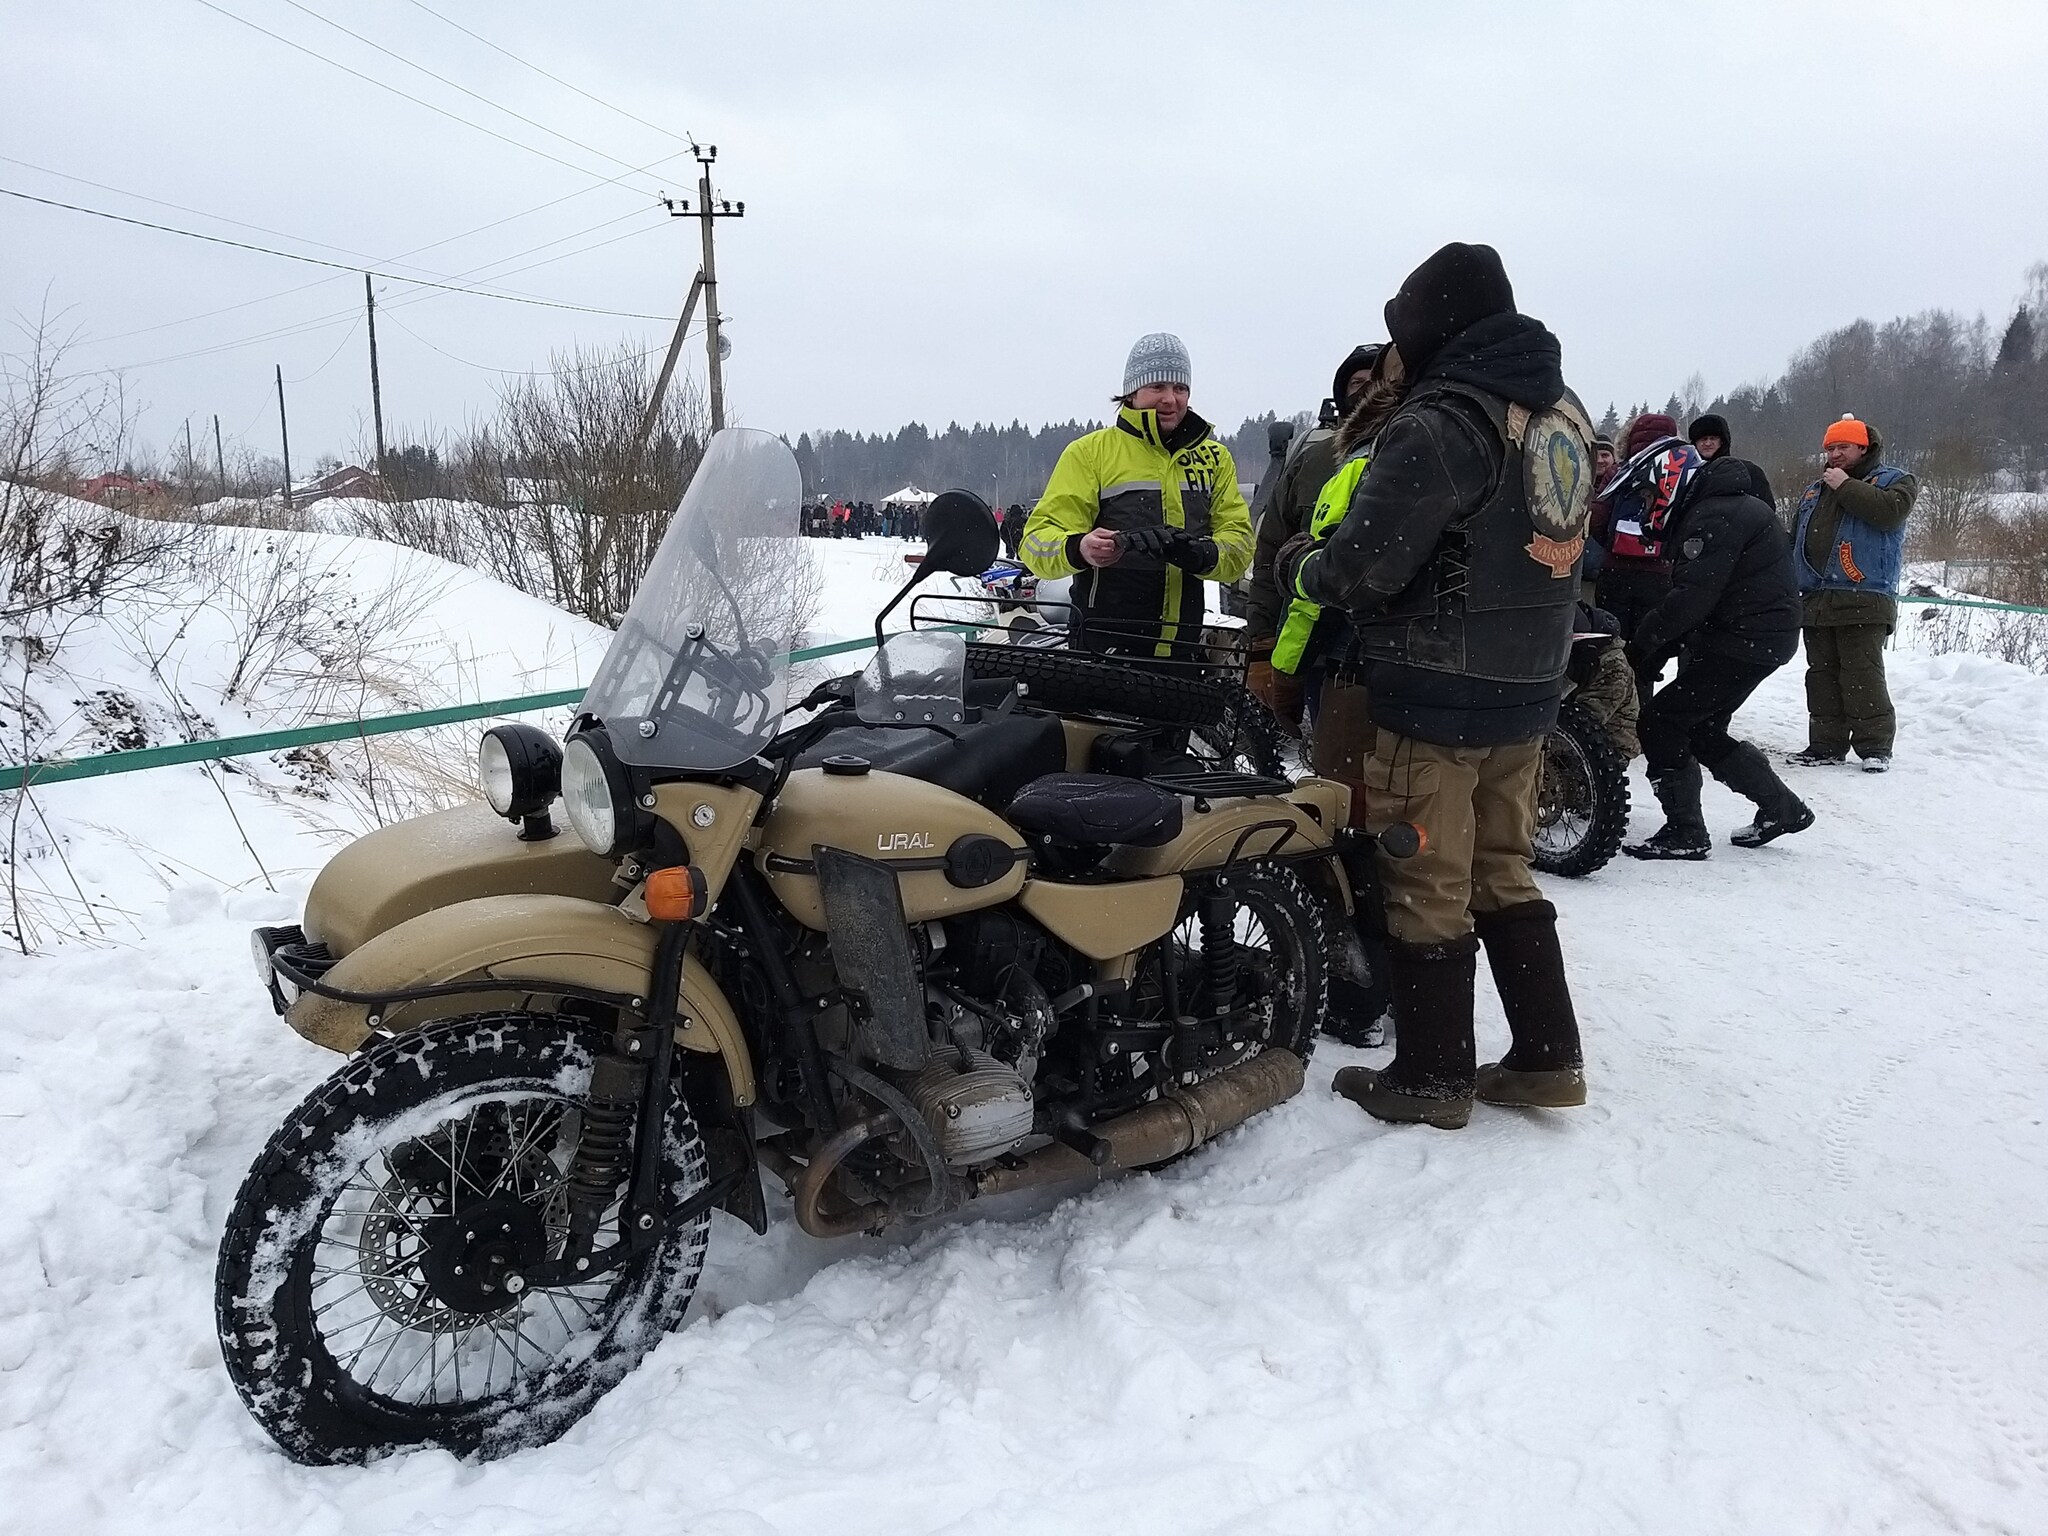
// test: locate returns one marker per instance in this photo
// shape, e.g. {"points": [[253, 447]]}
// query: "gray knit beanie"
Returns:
{"points": [[1159, 358]]}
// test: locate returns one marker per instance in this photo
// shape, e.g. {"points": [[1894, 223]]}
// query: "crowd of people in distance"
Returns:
{"points": [[860, 520], [839, 519]]}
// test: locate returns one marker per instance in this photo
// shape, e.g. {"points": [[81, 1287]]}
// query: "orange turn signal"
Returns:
{"points": [[676, 894]]}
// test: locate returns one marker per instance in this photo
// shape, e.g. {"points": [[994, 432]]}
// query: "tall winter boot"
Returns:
{"points": [[1544, 1067], [1778, 811], [1684, 833], [1429, 1081]]}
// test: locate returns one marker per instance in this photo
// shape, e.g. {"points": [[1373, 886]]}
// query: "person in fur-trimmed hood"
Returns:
{"points": [[1282, 510]]}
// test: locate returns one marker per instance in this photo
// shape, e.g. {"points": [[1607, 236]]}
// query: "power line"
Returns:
{"points": [[314, 53], [453, 86], [681, 138], [351, 336], [523, 373], [199, 213], [316, 261], [322, 322], [320, 281]]}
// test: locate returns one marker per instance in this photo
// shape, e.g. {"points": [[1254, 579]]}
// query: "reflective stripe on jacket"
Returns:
{"points": [[1126, 477]]}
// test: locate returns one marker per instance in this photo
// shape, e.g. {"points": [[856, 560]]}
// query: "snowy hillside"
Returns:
{"points": [[1784, 1274]]}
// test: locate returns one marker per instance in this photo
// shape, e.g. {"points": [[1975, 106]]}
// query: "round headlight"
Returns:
{"points": [[587, 798], [519, 769], [494, 773]]}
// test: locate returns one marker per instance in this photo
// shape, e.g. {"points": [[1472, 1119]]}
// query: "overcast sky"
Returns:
{"points": [[968, 211]]}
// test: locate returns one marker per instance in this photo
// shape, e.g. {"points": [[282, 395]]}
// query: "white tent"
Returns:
{"points": [[909, 496]]}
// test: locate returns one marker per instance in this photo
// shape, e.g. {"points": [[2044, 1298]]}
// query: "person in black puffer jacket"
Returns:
{"points": [[1732, 617]]}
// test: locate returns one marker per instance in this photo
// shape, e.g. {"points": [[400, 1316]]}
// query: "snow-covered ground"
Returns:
{"points": [[1784, 1274]]}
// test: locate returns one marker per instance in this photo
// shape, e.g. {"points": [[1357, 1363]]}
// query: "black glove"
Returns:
{"points": [[1155, 543], [1190, 553], [1287, 563]]}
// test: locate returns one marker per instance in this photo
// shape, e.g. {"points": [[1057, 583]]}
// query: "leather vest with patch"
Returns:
{"points": [[1496, 600]]}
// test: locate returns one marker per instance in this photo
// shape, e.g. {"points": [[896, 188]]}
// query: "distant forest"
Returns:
{"points": [[1963, 399]]}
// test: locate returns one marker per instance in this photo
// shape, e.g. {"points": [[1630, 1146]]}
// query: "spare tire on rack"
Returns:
{"points": [[1227, 723]]}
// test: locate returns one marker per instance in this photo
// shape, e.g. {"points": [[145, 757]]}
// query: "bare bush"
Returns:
{"points": [[58, 555], [554, 495], [1954, 501]]}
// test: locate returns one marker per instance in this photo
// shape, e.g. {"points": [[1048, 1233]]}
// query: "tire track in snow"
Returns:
{"points": [[2019, 1431]]}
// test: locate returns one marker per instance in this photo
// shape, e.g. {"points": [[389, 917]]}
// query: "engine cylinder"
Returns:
{"points": [[978, 1111]]}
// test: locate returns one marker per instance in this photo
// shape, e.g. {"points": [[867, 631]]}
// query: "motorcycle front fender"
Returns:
{"points": [[527, 942]]}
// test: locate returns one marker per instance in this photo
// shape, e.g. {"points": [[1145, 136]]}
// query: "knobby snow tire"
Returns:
{"points": [[264, 1304], [1580, 747]]}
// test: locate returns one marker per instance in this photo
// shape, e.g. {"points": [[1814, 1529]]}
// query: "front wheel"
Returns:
{"points": [[1581, 796], [355, 1298]]}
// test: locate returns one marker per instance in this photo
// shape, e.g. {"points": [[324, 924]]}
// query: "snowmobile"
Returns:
{"points": [[934, 943]]}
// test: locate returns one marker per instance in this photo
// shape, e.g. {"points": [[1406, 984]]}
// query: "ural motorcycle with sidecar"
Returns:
{"points": [[931, 944]]}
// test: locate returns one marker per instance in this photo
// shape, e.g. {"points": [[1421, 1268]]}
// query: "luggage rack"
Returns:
{"points": [[1219, 653], [1218, 785]]}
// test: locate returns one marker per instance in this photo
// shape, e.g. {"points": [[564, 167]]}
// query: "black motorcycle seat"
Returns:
{"points": [[1093, 809], [987, 761]]}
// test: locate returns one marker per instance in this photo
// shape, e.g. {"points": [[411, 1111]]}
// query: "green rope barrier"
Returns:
{"points": [[58, 769], [1910, 601]]}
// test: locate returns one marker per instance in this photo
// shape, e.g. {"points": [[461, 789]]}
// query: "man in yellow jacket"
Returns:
{"points": [[1145, 511]]}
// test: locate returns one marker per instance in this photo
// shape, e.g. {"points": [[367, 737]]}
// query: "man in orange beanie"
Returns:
{"points": [[1848, 545]]}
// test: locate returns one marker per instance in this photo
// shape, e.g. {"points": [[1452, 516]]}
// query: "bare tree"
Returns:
{"points": [[59, 554]]}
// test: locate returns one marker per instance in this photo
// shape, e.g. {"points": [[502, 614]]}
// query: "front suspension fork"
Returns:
{"points": [[625, 1114]]}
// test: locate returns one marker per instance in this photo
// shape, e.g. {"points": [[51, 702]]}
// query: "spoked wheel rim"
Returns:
{"points": [[1564, 797], [416, 1290]]}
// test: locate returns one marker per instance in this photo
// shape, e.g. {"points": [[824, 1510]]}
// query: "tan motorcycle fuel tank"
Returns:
{"points": [[903, 821]]}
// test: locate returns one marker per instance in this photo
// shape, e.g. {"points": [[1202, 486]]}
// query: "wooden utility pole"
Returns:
{"points": [[668, 368], [376, 391], [708, 209], [191, 469], [284, 434], [220, 459]]}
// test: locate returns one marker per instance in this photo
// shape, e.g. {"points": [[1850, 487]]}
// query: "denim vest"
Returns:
{"points": [[1864, 559]]}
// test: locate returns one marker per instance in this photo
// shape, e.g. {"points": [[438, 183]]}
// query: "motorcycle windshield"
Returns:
{"points": [[697, 677]]}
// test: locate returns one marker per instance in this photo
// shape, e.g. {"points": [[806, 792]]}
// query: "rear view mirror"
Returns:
{"points": [[960, 535], [1278, 435]]}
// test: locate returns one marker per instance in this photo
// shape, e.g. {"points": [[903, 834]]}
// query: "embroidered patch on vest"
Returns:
{"points": [[1561, 556], [1844, 552], [1557, 474], [1692, 548]]}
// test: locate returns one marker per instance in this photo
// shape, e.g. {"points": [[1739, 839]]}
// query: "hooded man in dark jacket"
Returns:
{"points": [[1456, 562], [1711, 439], [1732, 617]]}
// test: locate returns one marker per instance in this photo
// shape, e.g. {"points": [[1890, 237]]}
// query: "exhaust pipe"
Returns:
{"points": [[1176, 1122]]}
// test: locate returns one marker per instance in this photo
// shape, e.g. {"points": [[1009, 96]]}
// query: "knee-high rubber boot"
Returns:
{"points": [[1778, 811], [1430, 1079], [1684, 833], [1544, 1067]]}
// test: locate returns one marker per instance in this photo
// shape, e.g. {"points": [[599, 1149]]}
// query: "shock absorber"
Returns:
{"points": [[604, 1147], [1218, 912]]}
